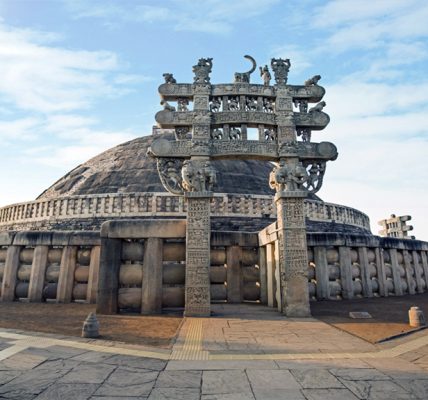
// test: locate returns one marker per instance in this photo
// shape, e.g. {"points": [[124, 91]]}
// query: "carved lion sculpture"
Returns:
{"points": [[167, 106], [318, 107], [169, 78], [313, 81]]}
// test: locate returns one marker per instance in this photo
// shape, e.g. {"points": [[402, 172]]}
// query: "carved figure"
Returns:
{"points": [[216, 134], [318, 107], [198, 176], [182, 104], [244, 77], [169, 78], [215, 104], [305, 133], [202, 70], [286, 177], [302, 104], [313, 81], [251, 104], [316, 175], [267, 105], [280, 69], [234, 134], [169, 174], [181, 132], [233, 104], [270, 135], [265, 74], [167, 106], [210, 176]]}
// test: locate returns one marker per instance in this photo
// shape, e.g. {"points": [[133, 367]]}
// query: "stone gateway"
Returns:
{"points": [[220, 204]]}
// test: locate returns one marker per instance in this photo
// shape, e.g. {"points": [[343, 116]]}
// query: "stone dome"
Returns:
{"points": [[126, 169]]}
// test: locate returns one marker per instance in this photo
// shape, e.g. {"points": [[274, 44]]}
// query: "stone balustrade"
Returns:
{"points": [[46, 214], [140, 265], [49, 266], [352, 266]]}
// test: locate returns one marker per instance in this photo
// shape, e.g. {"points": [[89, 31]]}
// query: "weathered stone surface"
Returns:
{"points": [[129, 381], [225, 382], [118, 170], [64, 391], [179, 379], [316, 378], [88, 373]]}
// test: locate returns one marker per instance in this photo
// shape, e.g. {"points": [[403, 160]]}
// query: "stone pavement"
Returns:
{"points": [[244, 352]]}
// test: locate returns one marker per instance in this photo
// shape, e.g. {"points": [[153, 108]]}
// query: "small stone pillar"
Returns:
{"points": [[270, 272], [293, 256], [416, 317], [198, 232]]}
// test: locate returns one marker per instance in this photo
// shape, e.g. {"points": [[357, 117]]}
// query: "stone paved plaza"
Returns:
{"points": [[244, 352]]}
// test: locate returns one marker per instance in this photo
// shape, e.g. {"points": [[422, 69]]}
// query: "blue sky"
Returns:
{"points": [[78, 77]]}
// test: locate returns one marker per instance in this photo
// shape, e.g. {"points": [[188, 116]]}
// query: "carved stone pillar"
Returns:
{"points": [[293, 257], [198, 231]]}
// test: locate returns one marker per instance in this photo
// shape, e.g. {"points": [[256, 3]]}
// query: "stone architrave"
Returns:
{"points": [[198, 232]]}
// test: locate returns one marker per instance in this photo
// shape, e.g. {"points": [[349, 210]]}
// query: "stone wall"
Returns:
{"points": [[49, 266], [90, 211], [352, 266]]}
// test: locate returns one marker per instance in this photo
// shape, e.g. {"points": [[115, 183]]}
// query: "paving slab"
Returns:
{"points": [[225, 382], [86, 373], [378, 390], [316, 379], [66, 391], [159, 393], [329, 394], [271, 379], [275, 394], [179, 379], [418, 387], [128, 382]]}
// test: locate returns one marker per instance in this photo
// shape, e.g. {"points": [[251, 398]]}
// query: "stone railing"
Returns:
{"points": [[143, 266], [146, 205], [49, 266], [345, 266]]}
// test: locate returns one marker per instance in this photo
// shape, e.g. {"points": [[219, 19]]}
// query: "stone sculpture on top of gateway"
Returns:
{"points": [[211, 122]]}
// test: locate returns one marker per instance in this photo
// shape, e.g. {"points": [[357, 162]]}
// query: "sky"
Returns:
{"points": [[79, 77]]}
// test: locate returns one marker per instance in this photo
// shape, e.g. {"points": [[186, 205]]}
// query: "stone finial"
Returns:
{"points": [[280, 70], [416, 317], [90, 327]]}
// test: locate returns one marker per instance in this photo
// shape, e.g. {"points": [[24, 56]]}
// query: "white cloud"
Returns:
{"points": [[210, 16]]}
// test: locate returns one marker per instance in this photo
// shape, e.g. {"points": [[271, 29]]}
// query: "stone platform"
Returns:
{"points": [[244, 352]]}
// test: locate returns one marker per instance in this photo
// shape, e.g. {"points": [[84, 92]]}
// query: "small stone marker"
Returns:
{"points": [[416, 317], [359, 315], [90, 327]]}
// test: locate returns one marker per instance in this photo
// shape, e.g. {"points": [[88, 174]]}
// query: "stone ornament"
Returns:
{"points": [[169, 78], [280, 69], [244, 77], [265, 74], [198, 176], [170, 174], [286, 177], [91, 327], [313, 81], [202, 70]]}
